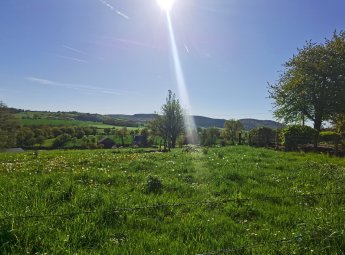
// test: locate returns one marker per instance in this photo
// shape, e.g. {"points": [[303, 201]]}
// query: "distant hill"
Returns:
{"points": [[254, 123], [134, 120], [201, 121]]}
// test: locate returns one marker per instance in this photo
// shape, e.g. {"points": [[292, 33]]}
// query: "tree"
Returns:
{"points": [[209, 136], [123, 133], [61, 140], [313, 84], [8, 125], [169, 125], [231, 129]]}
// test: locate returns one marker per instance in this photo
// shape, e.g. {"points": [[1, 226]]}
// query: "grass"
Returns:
{"points": [[99, 181], [52, 122]]}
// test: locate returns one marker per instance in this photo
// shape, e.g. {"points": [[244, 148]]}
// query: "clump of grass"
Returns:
{"points": [[154, 185]]}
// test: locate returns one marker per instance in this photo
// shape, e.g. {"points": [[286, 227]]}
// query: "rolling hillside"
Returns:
{"points": [[135, 120]]}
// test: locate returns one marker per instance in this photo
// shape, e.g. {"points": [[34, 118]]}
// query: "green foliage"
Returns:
{"points": [[313, 83], [170, 124], [330, 137], [61, 140], [262, 137], [231, 129], [209, 136], [8, 126], [295, 135]]}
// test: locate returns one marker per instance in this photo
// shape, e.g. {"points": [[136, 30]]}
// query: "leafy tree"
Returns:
{"points": [[25, 137], [262, 137], [61, 140], [56, 131], [313, 84], [40, 139], [169, 125], [107, 131], [123, 133], [157, 128], [295, 135], [231, 129], [8, 125], [209, 136]]}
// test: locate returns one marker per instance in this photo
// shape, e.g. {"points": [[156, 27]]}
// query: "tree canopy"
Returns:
{"points": [[231, 129], [313, 84], [8, 125], [169, 125]]}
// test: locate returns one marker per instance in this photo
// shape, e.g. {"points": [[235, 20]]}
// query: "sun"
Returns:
{"points": [[166, 5]]}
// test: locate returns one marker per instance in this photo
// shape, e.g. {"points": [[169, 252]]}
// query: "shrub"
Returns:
{"points": [[330, 137], [262, 137], [295, 135], [61, 140]]}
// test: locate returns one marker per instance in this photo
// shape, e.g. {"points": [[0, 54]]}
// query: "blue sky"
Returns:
{"points": [[114, 56]]}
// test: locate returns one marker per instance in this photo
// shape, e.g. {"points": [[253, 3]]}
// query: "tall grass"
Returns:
{"points": [[76, 195]]}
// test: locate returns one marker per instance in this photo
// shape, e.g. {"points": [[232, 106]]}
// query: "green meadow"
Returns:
{"points": [[52, 122], [231, 200]]}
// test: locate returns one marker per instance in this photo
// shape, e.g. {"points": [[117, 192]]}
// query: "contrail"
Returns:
{"points": [[186, 48], [73, 49], [107, 4], [77, 87], [73, 59], [121, 14]]}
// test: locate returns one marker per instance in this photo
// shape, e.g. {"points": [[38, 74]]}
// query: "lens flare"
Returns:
{"points": [[182, 88], [166, 5]]}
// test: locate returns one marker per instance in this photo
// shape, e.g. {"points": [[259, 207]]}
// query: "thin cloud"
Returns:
{"points": [[74, 49], [122, 14], [73, 59], [77, 87], [107, 4], [186, 48]]}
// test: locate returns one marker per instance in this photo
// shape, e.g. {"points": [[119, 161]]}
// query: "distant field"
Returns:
{"points": [[52, 122], [234, 200], [49, 122]]}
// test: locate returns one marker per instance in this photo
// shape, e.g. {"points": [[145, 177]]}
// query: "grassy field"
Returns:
{"points": [[51, 122], [131, 202]]}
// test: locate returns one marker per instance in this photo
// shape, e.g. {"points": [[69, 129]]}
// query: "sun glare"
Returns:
{"points": [[166, 5]]}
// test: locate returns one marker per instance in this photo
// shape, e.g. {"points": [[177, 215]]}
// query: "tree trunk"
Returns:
{"points": [[317, 127], [173, 141]]}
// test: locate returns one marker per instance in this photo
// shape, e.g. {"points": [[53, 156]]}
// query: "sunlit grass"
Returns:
{"points": [[67, 182]]}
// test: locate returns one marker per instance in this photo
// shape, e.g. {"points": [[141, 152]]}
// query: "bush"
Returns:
{"points": [[330, 137], [61, 140], [262, 137], [295, 135]]}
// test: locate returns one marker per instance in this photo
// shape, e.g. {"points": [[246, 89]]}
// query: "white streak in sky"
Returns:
{"points": [[73, 59], [78, 87], [122, 14], [73, 49], [107, 4], [113, 9], [186, 48]]}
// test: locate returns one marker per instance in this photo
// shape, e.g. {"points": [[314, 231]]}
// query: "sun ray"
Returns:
{"points": [[182, 88]]}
